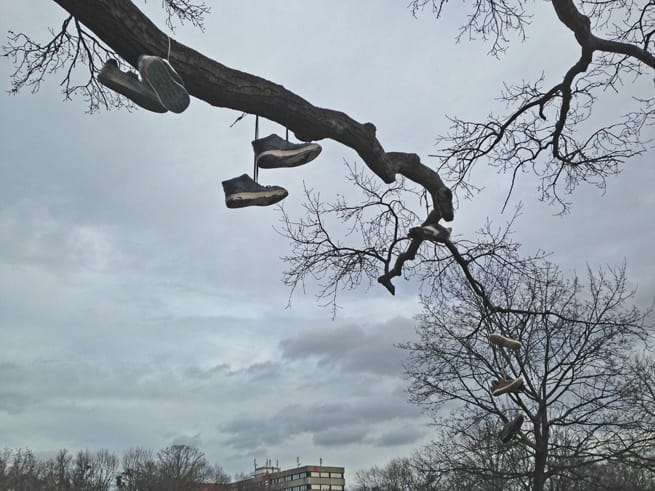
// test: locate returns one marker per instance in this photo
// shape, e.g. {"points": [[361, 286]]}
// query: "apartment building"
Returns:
{"points": [[301, 478]]}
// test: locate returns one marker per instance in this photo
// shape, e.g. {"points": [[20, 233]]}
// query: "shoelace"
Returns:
{"points": [[255, 171]]}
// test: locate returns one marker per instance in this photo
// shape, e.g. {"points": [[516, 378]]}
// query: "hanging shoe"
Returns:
{"points": [[243, 191], [162, 78], [511, 429], [435, 233], [129, 85], [503, 386], [273, 152], [501, 340]]}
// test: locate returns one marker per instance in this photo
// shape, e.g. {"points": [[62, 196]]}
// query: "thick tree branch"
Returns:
{"points": [[580, 24], [121, 25]]}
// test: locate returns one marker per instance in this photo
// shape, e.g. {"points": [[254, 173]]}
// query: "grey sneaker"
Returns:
{"points": [[129, 85], [273, 152], [243, 191], [503, 386], [435, 233], [162, 78], [511, 429], [501, 340]]}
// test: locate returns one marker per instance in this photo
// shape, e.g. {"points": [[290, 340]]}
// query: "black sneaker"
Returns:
{"points": [[129, 85], [435, 233], [503, 386], [511, 429], [243, 191], [164, 81], [273, 152]]}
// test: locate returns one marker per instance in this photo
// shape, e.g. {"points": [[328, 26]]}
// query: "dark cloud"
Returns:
{"points": [[353, 348], [339, 437], [189, 440], [204, 374], [15, 402], [401, 436], [339, 419]]}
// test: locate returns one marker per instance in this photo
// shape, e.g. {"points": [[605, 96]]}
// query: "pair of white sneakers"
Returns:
{"points": [[160, 89]]}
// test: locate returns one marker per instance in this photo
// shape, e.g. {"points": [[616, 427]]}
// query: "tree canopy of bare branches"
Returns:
{"points": [[578, 339]]}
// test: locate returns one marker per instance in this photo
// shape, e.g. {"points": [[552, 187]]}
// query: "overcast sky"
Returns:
{"points": [[137, 310]]}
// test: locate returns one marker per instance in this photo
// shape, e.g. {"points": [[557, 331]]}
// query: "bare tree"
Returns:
{"points": [[546, 129], [182, 467], [218, 475], [475, 461], [577, 339], [139, 471], [93, 471], [398, 475], [20, 471]]}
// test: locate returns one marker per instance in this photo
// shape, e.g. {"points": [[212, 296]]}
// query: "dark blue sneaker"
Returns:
{"points": [[511, 429], [243, 191], [162, 78], [129, 85], [273, 152]]}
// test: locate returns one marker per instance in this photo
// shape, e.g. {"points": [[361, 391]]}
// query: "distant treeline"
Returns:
{"points": [[174, 468]]}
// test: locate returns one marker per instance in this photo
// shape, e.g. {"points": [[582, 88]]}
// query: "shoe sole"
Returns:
{"points": [[171, 94], [506, 342], [515, 385], [241, 200], [272, 159], [109, 80]]}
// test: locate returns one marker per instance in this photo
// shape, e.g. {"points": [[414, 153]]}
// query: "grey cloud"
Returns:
{"points": [[339, 436], [195, 372], [400, 436], [189, 440], [80, 380], [268, 370], [353, 348], [320, 420], [15, 402]]}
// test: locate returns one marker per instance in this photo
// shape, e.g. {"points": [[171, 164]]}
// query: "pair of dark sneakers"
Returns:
{"points": [[161, 89], [271, 152]]}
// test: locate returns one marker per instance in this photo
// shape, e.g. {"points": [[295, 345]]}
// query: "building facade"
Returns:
{"points": [[303, 478]]}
